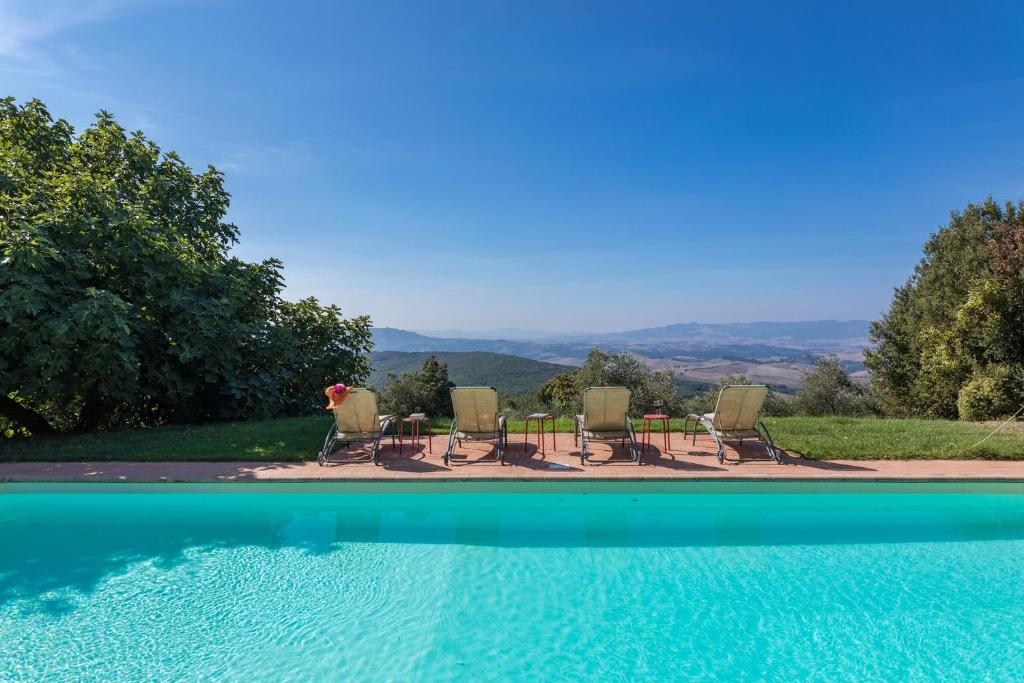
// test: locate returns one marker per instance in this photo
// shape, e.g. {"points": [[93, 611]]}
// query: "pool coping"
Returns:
{"points": [[482, 486], [688, 460], [254, 472], [163, 479]]}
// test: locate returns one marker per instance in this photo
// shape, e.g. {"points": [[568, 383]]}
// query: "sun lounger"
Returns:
{"points": [[605, 418], [477, 419], [356, 421], [736, 418]]}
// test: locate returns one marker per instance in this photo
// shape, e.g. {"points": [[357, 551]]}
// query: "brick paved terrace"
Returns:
{"points": [[683, 460]]}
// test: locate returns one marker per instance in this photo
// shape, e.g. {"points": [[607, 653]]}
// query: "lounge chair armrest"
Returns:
{"points": [[452, 435]]}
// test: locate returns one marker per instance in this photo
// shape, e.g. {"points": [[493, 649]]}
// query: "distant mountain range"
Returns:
{"points": [[808, 330], [499, 333], [777, 353]]}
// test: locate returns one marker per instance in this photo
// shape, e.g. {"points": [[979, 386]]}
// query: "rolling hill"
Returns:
{"points": [[508, 374], [777, 353]]}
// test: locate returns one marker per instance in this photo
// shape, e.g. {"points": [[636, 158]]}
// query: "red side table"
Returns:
{"points": [[540, 419], [414, 433], [645, 427]]}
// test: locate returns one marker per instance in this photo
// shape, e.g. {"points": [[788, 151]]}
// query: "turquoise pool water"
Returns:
{"points": [[409, 582]]}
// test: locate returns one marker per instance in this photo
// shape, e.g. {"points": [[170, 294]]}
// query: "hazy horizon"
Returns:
{"points": [[524, 334], [565, 166]]}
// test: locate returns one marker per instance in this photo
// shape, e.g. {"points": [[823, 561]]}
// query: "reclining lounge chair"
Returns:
{"points": [[736, 417], [477, 419], [605, 418], [357, 420]]}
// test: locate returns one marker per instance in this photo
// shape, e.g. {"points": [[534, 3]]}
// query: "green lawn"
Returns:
{"points": [[844, 438], [295, 438], [300, 439]]}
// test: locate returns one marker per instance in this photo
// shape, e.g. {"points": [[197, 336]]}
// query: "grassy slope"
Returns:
{"points": [[300, 438], [508, 374]]}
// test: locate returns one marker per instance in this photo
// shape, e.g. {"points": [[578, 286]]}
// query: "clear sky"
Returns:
{"points": [[560, 166]]}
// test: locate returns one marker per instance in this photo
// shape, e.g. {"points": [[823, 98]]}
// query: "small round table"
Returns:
{"points": [[540, 419], [645, 429], [414, 434]]}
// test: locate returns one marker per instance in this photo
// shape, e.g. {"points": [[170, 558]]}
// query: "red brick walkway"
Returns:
{"points": [[683, 461]]}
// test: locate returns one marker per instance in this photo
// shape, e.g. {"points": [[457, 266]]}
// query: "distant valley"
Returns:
{"points": [[776, 353]]}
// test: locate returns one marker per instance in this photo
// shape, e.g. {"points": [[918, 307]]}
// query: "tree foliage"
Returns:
{"points": [[120, 303], [603, 369], [563, 394], [829, 390], [952, 341], [426, 391], [775, 405]]}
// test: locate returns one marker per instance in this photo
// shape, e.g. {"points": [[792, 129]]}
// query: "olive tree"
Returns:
{"points": [[775, 404], [829, 390], [602, 369]]}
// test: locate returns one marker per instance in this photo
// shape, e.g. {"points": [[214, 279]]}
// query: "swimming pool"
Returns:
{"points": [[503, 581]]}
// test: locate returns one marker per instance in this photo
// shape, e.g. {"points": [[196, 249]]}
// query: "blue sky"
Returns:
{"points": [[560, 166]]}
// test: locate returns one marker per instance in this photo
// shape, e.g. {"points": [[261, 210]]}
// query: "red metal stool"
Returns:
{"points": [[414, 435], [540, 419], [645, 429]]}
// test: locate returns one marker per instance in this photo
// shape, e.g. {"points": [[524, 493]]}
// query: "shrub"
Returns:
{"points": [[561, 393], [518, 407], [990, 394]]}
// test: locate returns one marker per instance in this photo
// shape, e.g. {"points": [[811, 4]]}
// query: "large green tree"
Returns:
{"points": [[120, 303], [426, 391], [952, 342]]}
